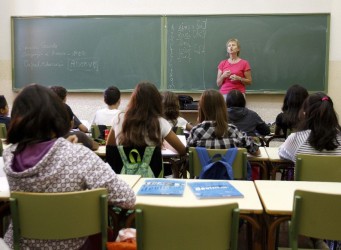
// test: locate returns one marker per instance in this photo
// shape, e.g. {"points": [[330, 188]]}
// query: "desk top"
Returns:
{"points": [[262, 157], [166, 151], [4, 188], [277, 196], [273, 154], [101, 151], [130, 179], [2, 173], [247, 205]]}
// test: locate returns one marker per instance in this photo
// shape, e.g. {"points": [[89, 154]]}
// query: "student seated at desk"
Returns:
{"points": [[4, 118], [171, 111], [112, 98], [142, 124], [287, 120], [40, 160], [214, 131], [81, 136], [319, 132], [62, 93], [245, 119]]}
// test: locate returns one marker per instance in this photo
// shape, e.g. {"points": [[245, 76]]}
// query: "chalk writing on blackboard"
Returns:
{"points": [[48, 55], [185, 40]]}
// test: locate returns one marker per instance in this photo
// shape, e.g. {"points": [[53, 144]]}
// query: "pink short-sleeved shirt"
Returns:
{"points": [[238, 69]]}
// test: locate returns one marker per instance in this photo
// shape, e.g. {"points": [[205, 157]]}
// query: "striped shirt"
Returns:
{"points": [[297, 143]]}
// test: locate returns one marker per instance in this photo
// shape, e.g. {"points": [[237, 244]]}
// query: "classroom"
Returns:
{"points": [[266, 104], [85, 104]]}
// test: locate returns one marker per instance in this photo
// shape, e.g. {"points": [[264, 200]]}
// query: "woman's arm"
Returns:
{"points": [[246, 80], [173, 140], [221, 76], [111, 138]]}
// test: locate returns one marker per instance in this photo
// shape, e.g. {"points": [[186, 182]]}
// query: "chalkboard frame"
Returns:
{"points": [[164, 53]]}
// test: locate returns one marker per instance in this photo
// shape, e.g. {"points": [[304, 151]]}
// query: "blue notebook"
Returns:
{"points": [[162, 187], [214, 189]]}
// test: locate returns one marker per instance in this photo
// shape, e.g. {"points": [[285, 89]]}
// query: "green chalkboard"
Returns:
{"points": [[281, 49], [87, 53], [180, 53]]}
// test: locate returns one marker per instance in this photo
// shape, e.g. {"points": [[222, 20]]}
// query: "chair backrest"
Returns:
{"points": [[178, 130], [95, 132], [207, 227], [315, 215], [113, 158], [3, 131], [239, 165], [318, 168], [59, 216]]}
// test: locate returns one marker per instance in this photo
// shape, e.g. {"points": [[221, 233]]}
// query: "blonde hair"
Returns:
{"points": [[236, 41]]}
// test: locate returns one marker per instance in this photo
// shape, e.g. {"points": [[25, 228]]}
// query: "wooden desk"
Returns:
{"points": [[261, 161], [277, 199], [250, 206], [101, 151], [276, 163], [167, 150], [4, 187], [131, 180], [2, 173]]}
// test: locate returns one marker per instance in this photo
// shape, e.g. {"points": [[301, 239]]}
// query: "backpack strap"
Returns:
{"points": [[230, 155], [132, 158], [148, 154], [122, 154], [204, 158], [228, 159]]}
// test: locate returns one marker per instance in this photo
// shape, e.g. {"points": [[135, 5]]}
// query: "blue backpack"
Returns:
{"points": [[212, 168]]}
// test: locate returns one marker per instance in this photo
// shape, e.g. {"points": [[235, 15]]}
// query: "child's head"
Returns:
{"points": [[37, 115], [318, 115], [142, 116], [112, 95], [3, 106], [294, 97], [60, 91], [212, 106], [235, 98], [146, 99], [171, 106]]}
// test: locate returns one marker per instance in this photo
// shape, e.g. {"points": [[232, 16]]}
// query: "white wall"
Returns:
{"points": [[84, 105]]}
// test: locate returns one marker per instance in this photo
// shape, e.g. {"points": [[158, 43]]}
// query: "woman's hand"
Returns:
{"points": [[72, 138], [235, 77], [226, 73]]}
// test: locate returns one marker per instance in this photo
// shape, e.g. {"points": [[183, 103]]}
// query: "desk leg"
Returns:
{"points": [[256, 230], [273, 227]]}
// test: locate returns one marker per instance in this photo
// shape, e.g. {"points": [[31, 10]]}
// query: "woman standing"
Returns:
{"points": [[234, 72]]}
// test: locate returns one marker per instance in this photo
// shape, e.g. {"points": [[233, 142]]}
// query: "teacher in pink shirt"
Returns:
{"points": [[234, 72]]}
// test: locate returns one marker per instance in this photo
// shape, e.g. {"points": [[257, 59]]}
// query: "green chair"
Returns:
{"points": [[239, 165], [315, 215], [59, 216], [95, 132], [183, 228], [318, 168], [3, 131]]}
